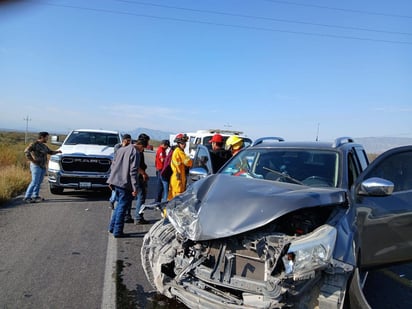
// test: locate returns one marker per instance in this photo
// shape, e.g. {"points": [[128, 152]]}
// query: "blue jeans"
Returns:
{"points": [[37, 176], [124, 201], [140, 199], [162, 188], [113, 196]]}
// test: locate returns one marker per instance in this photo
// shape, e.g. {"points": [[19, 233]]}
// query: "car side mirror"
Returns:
{"points": [[197, 173], [375, 186], [55, 140]]}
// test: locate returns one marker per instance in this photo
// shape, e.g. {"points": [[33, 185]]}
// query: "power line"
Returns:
{"points": [[226, 25], [262, 18], [339, 9]]}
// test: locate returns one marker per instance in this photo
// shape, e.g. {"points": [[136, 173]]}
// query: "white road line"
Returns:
{"points": [[109, 286]]}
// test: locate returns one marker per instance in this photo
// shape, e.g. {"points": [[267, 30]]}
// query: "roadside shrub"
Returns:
{"points": [[14, 169], [13, 180], [12, 154]]}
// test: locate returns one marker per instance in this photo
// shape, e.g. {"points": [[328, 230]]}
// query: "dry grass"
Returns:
{"points": [[14, 171], [13, 181]]}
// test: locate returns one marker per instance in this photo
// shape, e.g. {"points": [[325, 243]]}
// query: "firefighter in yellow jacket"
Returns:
{"points": [[180, 161]]}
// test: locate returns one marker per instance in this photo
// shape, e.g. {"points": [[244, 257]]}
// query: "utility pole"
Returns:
{"points": [[27, 119]]}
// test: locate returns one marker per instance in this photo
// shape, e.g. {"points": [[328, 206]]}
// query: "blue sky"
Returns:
{"points": [[295, 69]]}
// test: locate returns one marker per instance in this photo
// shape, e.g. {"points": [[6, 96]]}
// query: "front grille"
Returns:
{"points": [[86, 164], [93, 180], [245, 264]]}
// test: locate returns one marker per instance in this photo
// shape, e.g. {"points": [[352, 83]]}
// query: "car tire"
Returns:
{"points": [[56, 190], [157, 251]]}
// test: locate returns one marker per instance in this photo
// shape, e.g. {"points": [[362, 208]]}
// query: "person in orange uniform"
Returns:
{"points": [[180, 161]]}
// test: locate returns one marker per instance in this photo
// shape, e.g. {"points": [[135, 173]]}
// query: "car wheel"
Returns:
{"points": [[56, 190], [157, 251]]}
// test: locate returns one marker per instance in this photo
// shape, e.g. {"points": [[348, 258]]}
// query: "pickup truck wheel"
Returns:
{"points": [[56, 190]]}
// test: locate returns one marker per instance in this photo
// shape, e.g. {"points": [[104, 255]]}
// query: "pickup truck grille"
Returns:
{"points": [[83, 164], [93, 180]]}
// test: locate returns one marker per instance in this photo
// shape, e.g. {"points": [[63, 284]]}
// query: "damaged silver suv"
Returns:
{"points": [[284, 224]]}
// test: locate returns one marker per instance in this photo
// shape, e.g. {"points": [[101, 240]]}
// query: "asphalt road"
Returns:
{"points": [[58, 254]]}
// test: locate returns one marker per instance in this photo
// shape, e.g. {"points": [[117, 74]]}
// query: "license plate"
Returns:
{"points": [[85, 185]]}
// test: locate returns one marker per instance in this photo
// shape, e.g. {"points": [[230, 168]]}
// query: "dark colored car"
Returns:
{"points": [[204, 164], [299, 226]]}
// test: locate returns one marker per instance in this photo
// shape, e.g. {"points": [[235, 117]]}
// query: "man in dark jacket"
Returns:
{"points": [[140, 145], [219, 155], [124, 177]]}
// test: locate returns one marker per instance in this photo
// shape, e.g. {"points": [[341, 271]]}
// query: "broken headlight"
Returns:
{"points": [[310, 252], [182, 212]]}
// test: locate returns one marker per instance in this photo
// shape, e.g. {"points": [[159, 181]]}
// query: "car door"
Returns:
{"points": [[383, 203], [202, 164]]}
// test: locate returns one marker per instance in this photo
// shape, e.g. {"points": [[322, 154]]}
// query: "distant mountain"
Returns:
{"points": [[378, 145]]}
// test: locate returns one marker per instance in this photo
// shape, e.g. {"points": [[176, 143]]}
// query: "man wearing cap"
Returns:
{"points": [[141, 144], [162, 184], [124, 178], [126, 140], [219, 155]]}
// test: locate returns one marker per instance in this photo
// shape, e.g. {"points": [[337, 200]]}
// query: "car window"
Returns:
{"points": [[362, 157], [93, 138], [396, 168], [78, 138], [201, 159], [352, 172], [317, 168], [247, 142]]}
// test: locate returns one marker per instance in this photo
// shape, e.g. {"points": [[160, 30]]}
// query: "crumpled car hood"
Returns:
{"points": [[221, 205], [81, 149]]}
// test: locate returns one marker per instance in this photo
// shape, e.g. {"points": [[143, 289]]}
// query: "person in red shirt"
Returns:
{"points": [[162, 183]]}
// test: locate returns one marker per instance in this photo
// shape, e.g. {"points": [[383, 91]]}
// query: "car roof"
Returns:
{"points": [[277, 142], [96, 130]]}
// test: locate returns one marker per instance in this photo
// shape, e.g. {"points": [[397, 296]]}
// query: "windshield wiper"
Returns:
{"points": [[285, 175]]}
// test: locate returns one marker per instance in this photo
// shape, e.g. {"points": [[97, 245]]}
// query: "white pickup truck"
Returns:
{"points": [[202, 137], [84, 162]]}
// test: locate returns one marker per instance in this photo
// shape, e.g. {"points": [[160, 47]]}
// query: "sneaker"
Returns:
{"points": [[38, 199], [28, 200], [141, 221], [121, 235], [128, 219]]}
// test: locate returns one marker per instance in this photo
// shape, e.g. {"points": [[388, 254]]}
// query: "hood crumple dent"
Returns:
{"points": [[221, 205]]}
